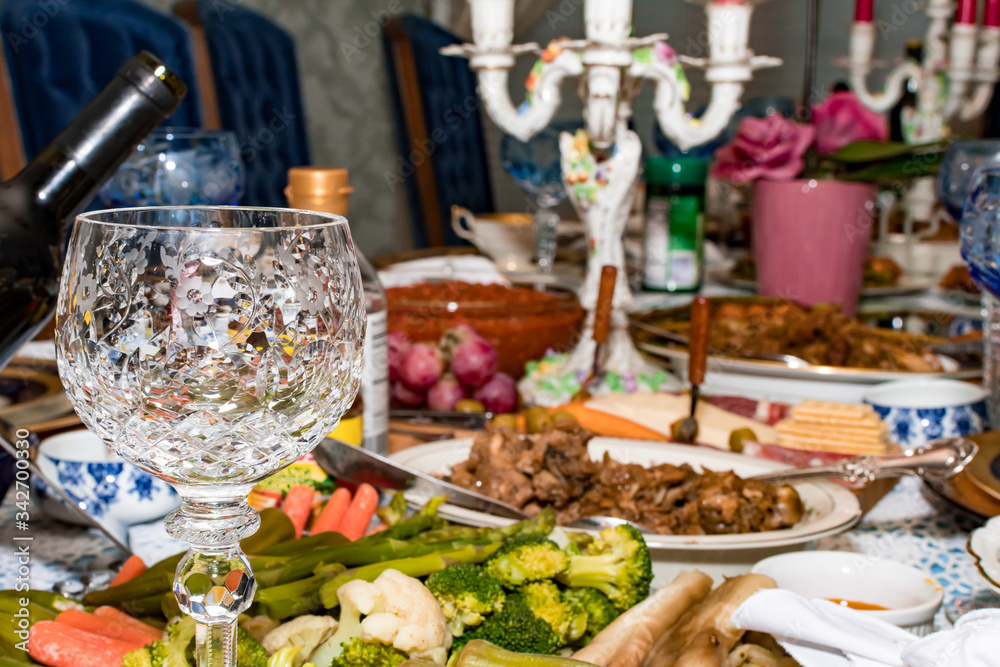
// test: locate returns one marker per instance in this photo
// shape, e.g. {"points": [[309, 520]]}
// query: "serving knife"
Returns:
{"points": [[354, 466], [471, 421]]}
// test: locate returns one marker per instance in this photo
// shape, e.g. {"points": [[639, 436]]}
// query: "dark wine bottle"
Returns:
{"points": [[908, 101], [37, 204]]}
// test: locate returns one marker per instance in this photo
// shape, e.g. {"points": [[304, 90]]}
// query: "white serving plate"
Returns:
{"points": [[830, 509]]}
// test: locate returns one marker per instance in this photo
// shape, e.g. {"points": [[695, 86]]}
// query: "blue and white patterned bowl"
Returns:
{"points": [[103, 484], [918, 411]]}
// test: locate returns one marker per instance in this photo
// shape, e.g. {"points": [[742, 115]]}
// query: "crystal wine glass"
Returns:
{"points": [[211, 347], [176, 166], [535, 165], [961, 162], [980, 243]]}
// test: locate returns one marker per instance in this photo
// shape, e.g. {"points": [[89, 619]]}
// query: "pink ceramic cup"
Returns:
{"points": [[811, 238]]}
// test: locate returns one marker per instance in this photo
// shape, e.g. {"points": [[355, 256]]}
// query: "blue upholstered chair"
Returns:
{"points": [[60, 53], [438, 121], [256, 79]]}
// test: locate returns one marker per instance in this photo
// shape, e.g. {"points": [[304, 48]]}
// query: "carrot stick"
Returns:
{"points": [[377, 529], [359, 513], [298, 505], [132, 568], [59, 645], [130, 622], [333, 513], [106, 627]]}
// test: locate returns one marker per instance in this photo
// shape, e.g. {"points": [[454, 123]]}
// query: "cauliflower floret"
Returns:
{"points": [[361, 595], [423, 629], [305, 631], [398, 610], [380, 627]]}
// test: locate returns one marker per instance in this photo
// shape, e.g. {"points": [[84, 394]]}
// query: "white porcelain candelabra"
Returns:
{"points": [[961, 64], [600, 165]]}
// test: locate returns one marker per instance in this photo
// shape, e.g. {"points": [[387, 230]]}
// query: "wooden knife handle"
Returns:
{"points": [[698, 348], [605, 301]]}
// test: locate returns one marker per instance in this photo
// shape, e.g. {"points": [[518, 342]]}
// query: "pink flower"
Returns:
{"points": [[770, 147], [665, 52], [842, 119]]}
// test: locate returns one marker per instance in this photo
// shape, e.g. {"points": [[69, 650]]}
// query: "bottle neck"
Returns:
{"points": [[67, 174]]}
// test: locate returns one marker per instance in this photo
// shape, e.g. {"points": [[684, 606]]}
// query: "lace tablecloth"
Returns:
{"points": [[909, 525]]}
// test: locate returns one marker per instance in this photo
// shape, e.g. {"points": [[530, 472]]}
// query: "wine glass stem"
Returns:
{"points": [[545, 238], [216, 644]]}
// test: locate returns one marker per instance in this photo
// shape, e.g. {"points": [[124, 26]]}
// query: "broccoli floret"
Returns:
{"points": [[394, 512], [171, 651], [525, 558], [616, 563], [600, 611], [466, 594], [480, 654], [567, 617], [514, 628], [140, 657], [357, 653]]}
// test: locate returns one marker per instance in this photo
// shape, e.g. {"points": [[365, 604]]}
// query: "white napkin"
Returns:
{"points": [[468, 268], [819, 633]]}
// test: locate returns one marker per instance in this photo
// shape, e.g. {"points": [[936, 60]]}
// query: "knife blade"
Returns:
{"points": [[472, 421], [353, 466]]}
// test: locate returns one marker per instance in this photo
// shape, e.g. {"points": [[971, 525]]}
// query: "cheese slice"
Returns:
{"points": [[659, 411]]}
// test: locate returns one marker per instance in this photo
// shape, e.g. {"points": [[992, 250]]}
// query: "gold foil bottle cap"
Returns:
{"points": [[322, 189]]}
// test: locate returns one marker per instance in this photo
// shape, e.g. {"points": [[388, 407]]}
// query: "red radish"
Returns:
{"points": [[455, 336], [298, 506], [397, 345], [421, 366], [112, 628], [445, 393], [333, 513], [359, 513], [58, 645], [135, 624], [499, 394], [132, 568], [474, 362], [403, 395]]}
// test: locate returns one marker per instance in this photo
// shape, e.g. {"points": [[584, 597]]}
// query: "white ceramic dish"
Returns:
{"points": [[908, 284], [105, 485], [911, 597], [830, 509]]}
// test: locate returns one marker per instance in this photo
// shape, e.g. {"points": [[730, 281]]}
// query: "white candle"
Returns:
{"points": [[492, 23], [608, 21]]}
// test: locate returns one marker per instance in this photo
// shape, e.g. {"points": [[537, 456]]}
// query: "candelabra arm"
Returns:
{"points": [[860, 64], [543, 100], [671, 96], [987, 74]]}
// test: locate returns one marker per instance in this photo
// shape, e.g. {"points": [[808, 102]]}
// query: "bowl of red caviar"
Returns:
{"points": [[521, 322]]}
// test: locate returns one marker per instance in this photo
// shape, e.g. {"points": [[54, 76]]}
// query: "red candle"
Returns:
{"points": [[864, 10], [966, 12], [992, 17]]}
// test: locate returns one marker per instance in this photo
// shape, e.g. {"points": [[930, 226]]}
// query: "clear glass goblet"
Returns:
{"points": [[536, 166], [211, 347]]}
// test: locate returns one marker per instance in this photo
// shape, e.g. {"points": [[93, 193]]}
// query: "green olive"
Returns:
{"points": [[740, 436], [536, 419], [508, 421], [564, 420], [469, 405]]}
